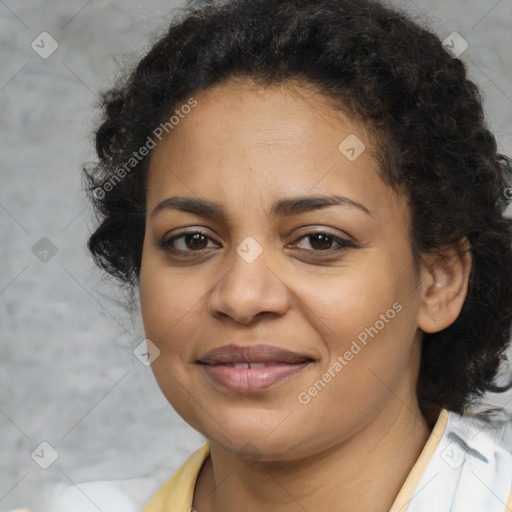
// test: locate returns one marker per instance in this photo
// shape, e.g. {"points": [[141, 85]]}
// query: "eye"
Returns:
{"points": [[195, 240], [192, 240], [321, 241]]}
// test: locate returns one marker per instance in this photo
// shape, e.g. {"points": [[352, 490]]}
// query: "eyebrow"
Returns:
{"points": [[282, 208]]}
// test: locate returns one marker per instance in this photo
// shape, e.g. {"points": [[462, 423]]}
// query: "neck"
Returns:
{"points": [[364, 472]]}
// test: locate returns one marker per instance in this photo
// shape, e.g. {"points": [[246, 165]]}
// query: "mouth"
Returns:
{"points": [[253, 368]]}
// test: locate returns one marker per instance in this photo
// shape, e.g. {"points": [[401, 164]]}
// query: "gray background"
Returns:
{"points": [[68, 375]]}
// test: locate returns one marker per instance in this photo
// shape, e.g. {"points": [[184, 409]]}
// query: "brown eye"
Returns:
{"points": [[321, 242], [195, 241], [188, 241]]}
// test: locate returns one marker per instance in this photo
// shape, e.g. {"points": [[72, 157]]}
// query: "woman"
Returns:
{"points": [[308, 202]]}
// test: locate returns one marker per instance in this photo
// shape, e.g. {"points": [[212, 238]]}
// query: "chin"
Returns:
{"points": [[258, 437]]}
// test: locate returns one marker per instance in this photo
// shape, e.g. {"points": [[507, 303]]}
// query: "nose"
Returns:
{"points": [[249, 290]]}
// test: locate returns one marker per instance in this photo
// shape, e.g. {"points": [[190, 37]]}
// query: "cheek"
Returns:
{"points": [[167, 297], [369, 314], [157, 303], [353, 301], [167, 308], [368, 355]]}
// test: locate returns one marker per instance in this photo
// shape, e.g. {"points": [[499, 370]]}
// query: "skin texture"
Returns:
{"points": [[245, 147]]}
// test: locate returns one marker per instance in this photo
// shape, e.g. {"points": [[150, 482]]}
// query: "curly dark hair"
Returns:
{"points": [[380, 67]]}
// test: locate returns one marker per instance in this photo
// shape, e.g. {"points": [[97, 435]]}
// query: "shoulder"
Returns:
{"points": [[479, 439], [126, 494], [470, 469], [105, 495], [177, 492]]}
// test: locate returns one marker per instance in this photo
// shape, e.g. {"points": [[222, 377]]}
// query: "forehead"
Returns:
{"points": [[287, 113], [265, 142]]}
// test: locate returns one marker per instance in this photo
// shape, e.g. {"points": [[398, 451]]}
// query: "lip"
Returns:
{"points": [[272, 365]]}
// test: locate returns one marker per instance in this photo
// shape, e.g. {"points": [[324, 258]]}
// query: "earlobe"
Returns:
{"points": [[444, 286]]}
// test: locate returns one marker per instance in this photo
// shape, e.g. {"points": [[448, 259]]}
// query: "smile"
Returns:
{"points": [[252, 368], [252, 377]]}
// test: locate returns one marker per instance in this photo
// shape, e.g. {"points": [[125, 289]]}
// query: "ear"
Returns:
{"points": [[444, 285]]}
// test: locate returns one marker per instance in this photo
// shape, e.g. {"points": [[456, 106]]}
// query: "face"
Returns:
{"points": [[283, 319]]}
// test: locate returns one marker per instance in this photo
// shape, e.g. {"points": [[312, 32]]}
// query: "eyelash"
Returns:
{"points": [[166, 244]]}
